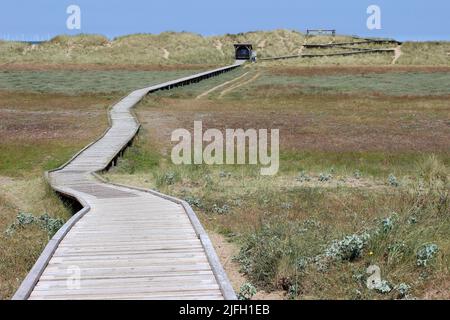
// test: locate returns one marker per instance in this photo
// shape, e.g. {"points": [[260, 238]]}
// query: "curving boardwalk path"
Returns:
{"points": [[126, 243]]}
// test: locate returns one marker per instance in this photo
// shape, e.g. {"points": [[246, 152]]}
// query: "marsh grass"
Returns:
{"points": [[38, 129], [139, 157], [19, 159], [82, 82], [400, 84]]}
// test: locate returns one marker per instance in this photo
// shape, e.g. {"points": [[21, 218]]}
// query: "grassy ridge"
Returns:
{"points": [[425, 53], [189, 48], [165, 48]]}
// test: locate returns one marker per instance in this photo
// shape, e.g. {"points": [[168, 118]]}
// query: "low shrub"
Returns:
{"points": [[349, 248], [247, 291], [426, 254], [194, 201], [45, 222], [167, 178]]}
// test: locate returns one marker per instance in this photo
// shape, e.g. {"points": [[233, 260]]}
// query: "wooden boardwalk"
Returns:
{"points": [[126, 243]]}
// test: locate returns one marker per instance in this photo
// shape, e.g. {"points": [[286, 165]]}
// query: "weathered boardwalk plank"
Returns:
{"points": [[126, 243]]}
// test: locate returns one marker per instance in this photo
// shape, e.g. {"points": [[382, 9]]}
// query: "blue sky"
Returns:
{"points": [[401, 19]]}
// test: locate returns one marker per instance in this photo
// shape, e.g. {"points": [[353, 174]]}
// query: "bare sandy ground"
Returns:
{"points": [[397, 54]]}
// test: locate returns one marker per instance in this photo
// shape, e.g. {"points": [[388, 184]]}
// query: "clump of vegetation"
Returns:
{"points": [[287, 205], [293, 291], [45, 222], [383, 287], [325, 177], [387, 224], [247, 291], [260, 254], [277, 254], [167, 178], [426, 254], [137, 159], [392, 180], [194, 201], [225, 174], [49, 224], [237, 202], [303, 177], [208, 180], [433, 173], [357, 174], [349, 248], [220, 209], [402, 289]]}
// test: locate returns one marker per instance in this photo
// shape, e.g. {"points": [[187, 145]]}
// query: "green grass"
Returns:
{"points": [[18, 160], [398, 84], [138, 159], [76, 82]]}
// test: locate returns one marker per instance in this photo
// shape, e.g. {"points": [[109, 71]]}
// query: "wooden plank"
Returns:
{"points": [[154, 274], [118, 258], [206, 278], [104, 263], [163, 282], [139, 296]]}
